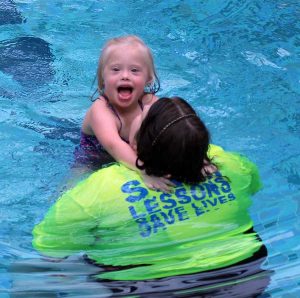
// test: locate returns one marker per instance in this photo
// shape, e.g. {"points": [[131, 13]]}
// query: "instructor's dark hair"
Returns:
{"points": [[173, 140]]}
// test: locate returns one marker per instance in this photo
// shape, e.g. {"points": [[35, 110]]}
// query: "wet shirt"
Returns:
{"points": [[116, 220]]}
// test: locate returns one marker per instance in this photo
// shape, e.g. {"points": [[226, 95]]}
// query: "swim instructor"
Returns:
{"points": [[145, 234]]}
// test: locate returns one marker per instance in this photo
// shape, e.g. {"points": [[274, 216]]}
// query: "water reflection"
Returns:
{"points": [[74, 277]]}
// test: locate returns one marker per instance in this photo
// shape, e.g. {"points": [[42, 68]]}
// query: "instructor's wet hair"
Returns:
{"points": [[173, 141]]}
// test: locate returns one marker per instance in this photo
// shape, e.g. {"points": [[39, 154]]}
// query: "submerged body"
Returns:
{"points": [[117, 221]]}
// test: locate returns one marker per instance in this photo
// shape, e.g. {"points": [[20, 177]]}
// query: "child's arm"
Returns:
{"points": [[105, 127]]}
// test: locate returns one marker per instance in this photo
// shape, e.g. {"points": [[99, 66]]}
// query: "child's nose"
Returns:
{"points": [[125, 74]]}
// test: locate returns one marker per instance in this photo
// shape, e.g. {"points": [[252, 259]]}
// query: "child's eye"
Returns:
{"points": [[115, 68], [135, 70]]}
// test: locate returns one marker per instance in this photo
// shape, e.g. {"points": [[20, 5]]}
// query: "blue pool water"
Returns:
{"points": [[236, 61]]}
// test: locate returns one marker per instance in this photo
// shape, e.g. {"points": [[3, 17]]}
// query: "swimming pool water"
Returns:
{"points": [[236, 62]]}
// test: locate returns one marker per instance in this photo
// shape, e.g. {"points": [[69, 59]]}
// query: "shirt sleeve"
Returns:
{"points": [[252, 170], [241, 170], [67, 227]]}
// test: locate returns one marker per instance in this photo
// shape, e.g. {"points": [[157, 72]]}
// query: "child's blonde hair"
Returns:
{"points": [[154, 84]]}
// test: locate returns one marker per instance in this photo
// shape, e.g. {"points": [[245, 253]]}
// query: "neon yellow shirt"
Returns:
{"points": [[116, 220]]}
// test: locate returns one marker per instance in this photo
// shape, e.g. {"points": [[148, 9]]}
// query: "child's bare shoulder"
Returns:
{"points": [[100, 114], [99, 106], [149, 99], [99, 102]]}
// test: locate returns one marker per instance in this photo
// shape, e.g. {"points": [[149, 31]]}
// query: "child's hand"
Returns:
{"points": [[158, 183], [208, 168]]}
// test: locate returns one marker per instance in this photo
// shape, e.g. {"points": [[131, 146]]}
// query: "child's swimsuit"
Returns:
{"points": [[90, 151]]}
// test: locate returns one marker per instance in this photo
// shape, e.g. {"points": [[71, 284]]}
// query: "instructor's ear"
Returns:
{"points": [[139, 164], [134, 145]]}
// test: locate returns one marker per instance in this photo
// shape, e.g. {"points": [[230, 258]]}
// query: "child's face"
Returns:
{"points": [[125, 75]]}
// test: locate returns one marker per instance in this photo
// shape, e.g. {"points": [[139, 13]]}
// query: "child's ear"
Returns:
{"points": [[150, 81]]}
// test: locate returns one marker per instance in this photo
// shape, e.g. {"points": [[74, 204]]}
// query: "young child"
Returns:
{"points": [[127, 83], [172, 123]]}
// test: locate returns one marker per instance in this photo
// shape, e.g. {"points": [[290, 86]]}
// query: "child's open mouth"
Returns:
{"points": [[125, 92]]}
